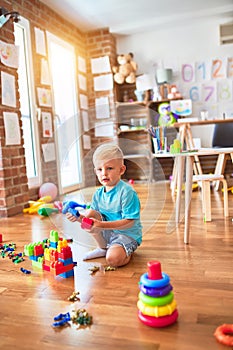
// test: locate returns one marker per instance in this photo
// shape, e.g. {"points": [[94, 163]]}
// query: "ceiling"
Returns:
{"points": [[125, 17]]}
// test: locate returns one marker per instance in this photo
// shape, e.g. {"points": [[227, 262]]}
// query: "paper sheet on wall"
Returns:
{"points": [[8, 89], [47, 124], [83, 101], [85, 120], [104, 129], [224, 90], [181, 107], [145, 82], [40, 42], [82, 64], [102, 109], [82, 82], [44, 97], [86, 142], [12, 129], [103, 82], [48, 152], [45, 74], [100, 65], [9, 54]]}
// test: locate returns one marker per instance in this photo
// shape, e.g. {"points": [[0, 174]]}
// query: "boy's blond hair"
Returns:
{"points": [[106, 152]]}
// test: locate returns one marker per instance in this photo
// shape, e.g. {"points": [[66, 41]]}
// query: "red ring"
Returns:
{"points": [[158, 322], [222, 334]]}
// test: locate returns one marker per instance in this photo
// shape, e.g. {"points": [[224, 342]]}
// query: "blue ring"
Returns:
{"points": [[155, 283]]}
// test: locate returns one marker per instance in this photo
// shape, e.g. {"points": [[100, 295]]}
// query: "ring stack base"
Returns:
{"points": [[158, 322]]}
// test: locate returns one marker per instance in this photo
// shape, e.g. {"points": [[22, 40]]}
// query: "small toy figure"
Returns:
{"points": [[81, 317], [74, 297], [109, 268], [61, 319], [126, 69], [94, 269]]}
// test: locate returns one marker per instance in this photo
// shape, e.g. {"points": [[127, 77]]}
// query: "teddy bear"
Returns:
{"points": [[126, 69]]}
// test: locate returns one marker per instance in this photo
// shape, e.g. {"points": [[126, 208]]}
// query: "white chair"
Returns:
{"points": [[206, 180]]}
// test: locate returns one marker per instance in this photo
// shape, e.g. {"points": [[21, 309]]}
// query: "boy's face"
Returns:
{"points": [[109, 172]]}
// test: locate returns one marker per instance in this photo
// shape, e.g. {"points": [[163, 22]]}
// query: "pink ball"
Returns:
{"points": [[48, 189]]}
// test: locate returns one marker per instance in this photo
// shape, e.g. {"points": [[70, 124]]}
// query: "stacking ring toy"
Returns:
{"points": [[158, 283], [167, 299], [224, 334], [158, 321], [157, 311], [155, 292]]}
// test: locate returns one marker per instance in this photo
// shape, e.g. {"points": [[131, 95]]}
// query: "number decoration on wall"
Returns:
{"points": [[188, 72], [218, 69], [215, 77]]}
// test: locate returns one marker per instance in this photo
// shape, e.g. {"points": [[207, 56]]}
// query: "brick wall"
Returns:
{"points": [[99, 43], [14, 192]]}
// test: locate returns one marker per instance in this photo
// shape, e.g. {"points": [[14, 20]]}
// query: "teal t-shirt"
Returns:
{"points": [[121, 202]]}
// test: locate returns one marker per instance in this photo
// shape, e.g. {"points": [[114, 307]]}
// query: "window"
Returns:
{"points": [[27, 101]]}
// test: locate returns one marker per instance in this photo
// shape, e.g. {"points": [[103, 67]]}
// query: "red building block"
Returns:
{"points": [[58, 268], [0, 238], [66, 253], [87, 223], [53, 255], [38, 250]]}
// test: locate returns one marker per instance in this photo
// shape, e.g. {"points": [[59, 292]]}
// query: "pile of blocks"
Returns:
{"points": [[53, 254]]}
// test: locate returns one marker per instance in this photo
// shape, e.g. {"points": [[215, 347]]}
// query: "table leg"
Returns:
{"points": [[188, 196], [180, 174]]}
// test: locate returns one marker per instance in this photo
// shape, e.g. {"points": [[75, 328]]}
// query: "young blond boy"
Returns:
{"points": [[115, 210]]}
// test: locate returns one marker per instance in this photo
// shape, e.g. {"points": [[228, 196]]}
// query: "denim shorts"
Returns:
{"points": [[128, 243]]}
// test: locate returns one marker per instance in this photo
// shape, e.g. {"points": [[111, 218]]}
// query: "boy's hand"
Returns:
{"points": [[72, 217]]}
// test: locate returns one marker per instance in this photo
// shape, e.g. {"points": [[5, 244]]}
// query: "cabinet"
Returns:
{"points": [[134, 139], [133, 119]]}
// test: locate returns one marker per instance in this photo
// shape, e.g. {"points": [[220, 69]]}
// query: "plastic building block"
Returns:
{"points": [[53, 236], [38, 250], [53, 255], [38, 263], [62, 244], [87, 223], [58, 268], [65, 253], [0, 238], [27, 272], [67, 274], [66, 262]]}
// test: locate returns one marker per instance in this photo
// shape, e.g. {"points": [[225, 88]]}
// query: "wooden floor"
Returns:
{"points": [[201, 274]]}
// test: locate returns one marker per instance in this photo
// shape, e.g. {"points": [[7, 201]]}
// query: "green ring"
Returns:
{"points": [[160, 301]]}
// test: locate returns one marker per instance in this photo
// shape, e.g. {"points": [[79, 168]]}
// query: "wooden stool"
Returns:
{"points": [[206, 179]]}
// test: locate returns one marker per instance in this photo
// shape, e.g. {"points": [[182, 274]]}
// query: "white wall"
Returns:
{"points": [[173, 46]]}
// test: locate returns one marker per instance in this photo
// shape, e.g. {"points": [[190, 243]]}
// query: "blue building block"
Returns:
{"points": [[66, 261], [67, 274]]}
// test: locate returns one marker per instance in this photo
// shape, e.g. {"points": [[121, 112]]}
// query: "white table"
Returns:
{"points": [[188, 158]]}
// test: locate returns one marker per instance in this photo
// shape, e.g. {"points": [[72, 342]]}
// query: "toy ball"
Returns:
{"points": [[131, 181], [48, 189]]}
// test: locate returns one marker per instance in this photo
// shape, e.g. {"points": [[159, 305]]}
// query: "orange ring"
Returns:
{"points": [[224, 334]]}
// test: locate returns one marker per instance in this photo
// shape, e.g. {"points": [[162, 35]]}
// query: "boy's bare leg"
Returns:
{"points": [[101, 250], [116, 256]]}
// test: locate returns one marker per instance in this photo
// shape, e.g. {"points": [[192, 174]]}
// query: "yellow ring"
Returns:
{"points": [[157, 311]]}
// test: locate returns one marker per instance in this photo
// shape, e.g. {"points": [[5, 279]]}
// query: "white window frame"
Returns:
{"points": [[36, 180]]}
